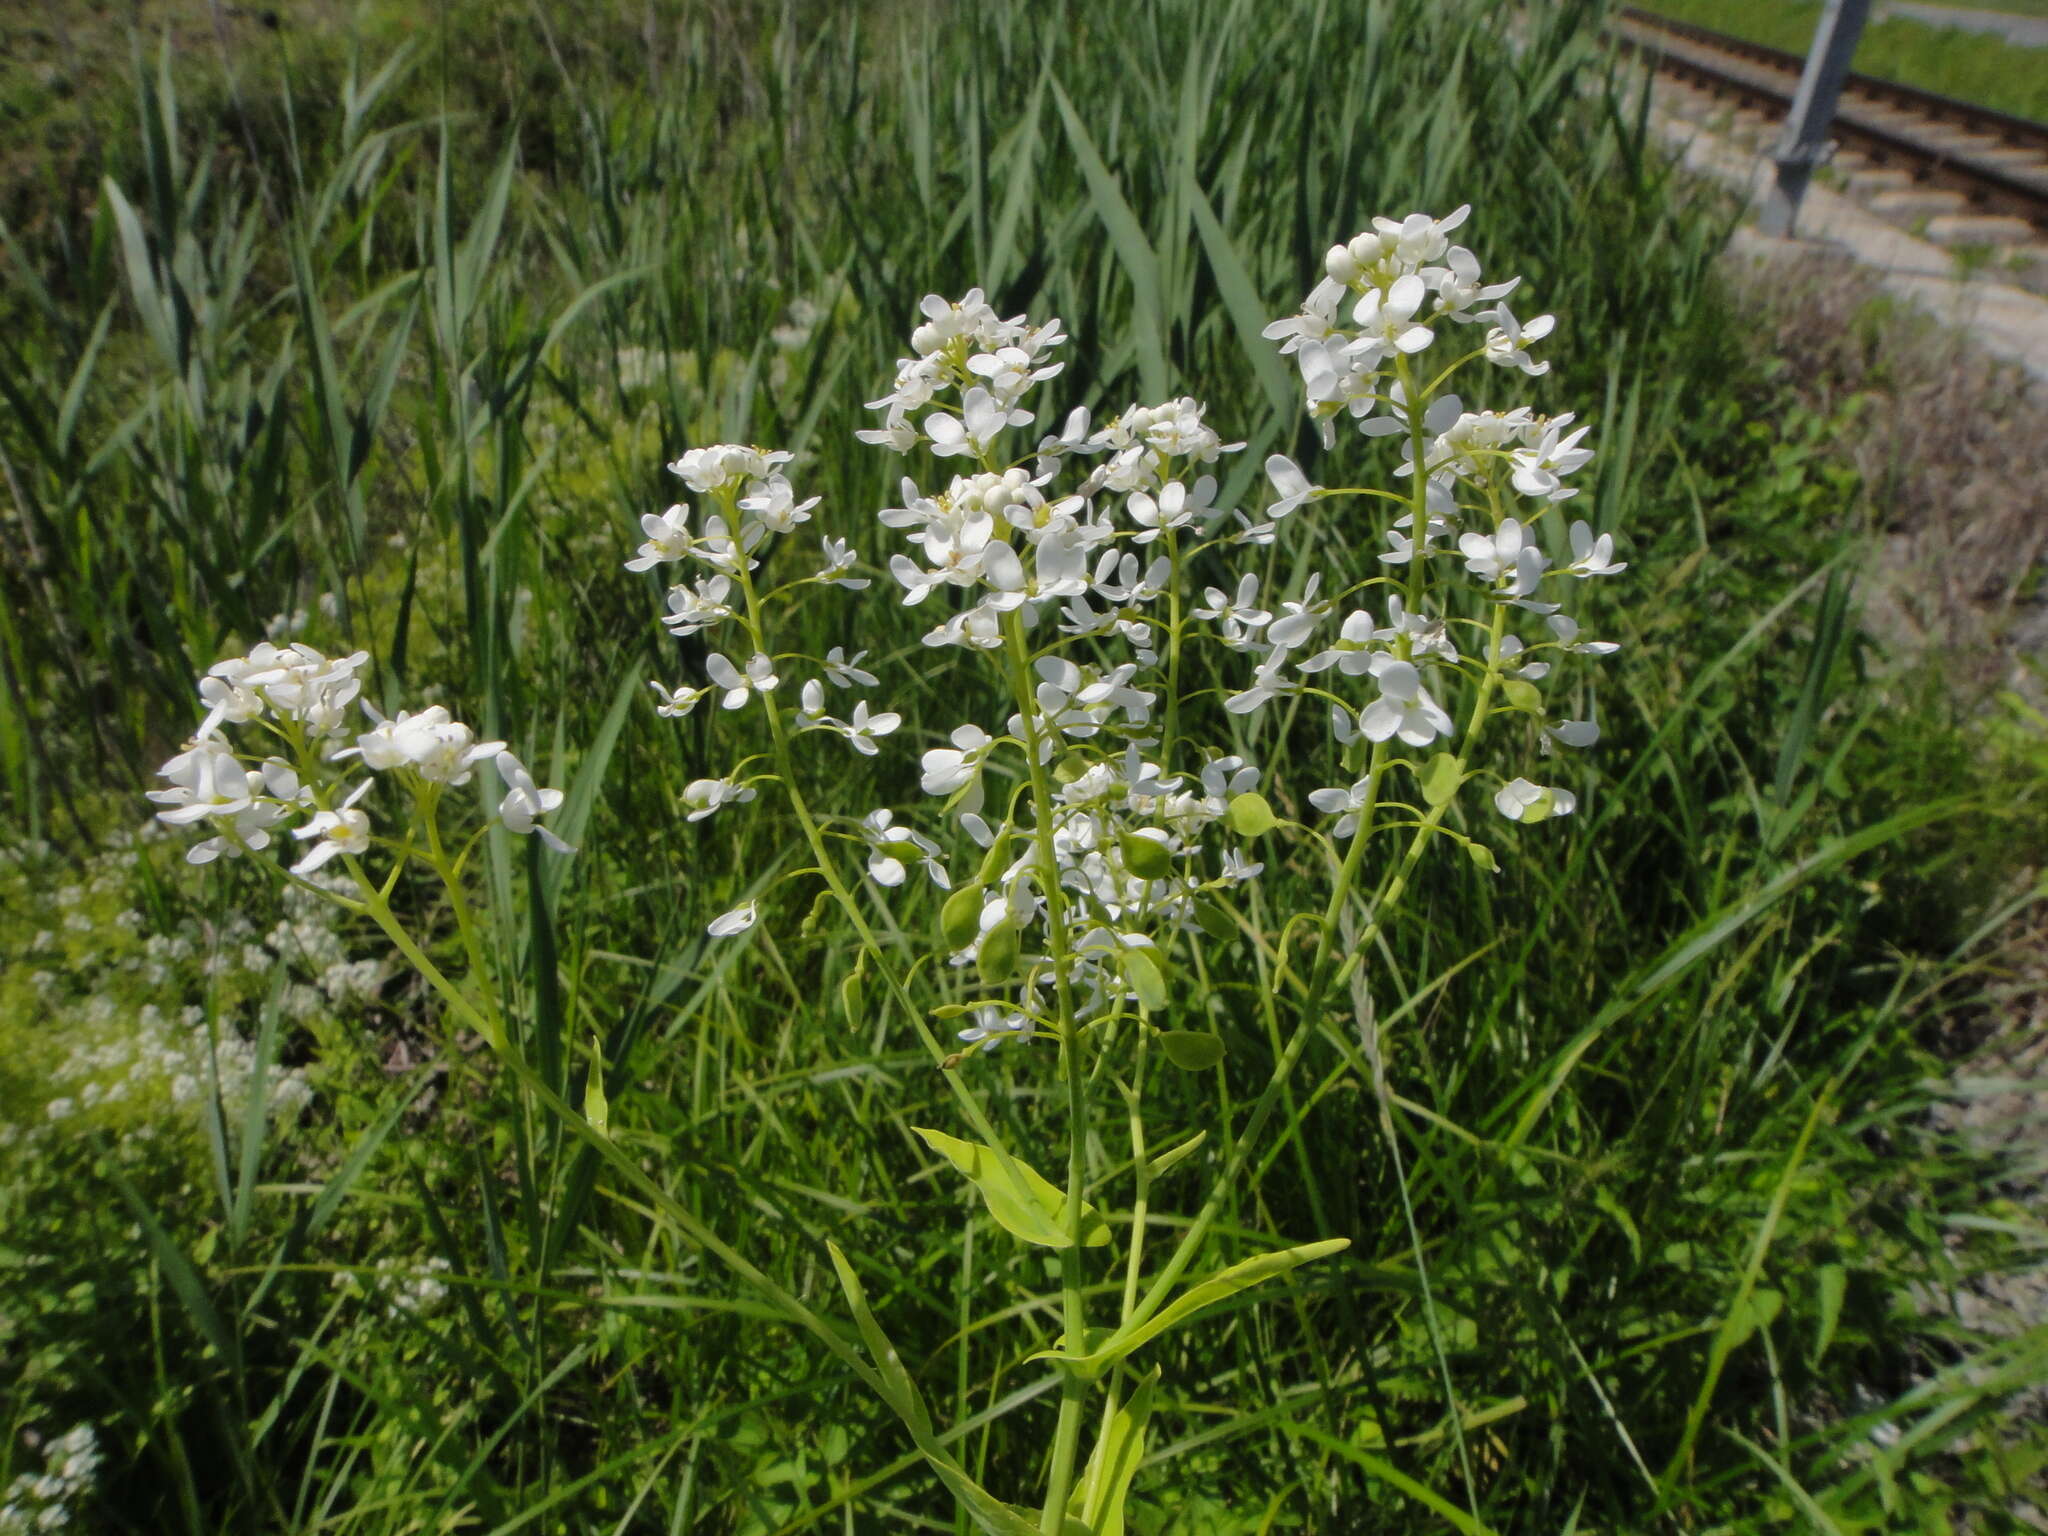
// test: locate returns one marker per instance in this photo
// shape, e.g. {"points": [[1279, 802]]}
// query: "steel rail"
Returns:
{"points": [[1884, 120]]}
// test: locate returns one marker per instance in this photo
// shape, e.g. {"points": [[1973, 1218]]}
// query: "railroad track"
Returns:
{"points": [[1963, 174]]}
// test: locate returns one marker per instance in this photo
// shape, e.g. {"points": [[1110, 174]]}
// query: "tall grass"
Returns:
{"points": [[1637, 1195]]}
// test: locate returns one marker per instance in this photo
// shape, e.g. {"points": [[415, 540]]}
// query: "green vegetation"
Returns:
{"points": [[1651, 1222], [1970, 66]]}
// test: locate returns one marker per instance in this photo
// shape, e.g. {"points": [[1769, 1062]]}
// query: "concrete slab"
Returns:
{"points": [[1917, 202], [1979, 229]]}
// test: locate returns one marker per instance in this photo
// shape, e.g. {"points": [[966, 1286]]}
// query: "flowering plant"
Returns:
{"points": [[1090, 845]]}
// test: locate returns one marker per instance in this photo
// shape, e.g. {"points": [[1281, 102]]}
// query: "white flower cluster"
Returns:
{"points": [[157, 1053], [1070, 585], [1489, 478], [49, 1500], [300, 700], [127, 1048], [753, 500], [1125, 835], [408, 1289], [1395, 281], [966, 349]]}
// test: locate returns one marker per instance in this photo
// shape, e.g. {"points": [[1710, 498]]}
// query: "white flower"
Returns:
{"points": [[692, 609], [1386, 319], [891, 849], [1269, 682], [434, 745], [704, 796], [341, 830], [525, 803], [739, 686], [773, 505], [1506, 559], [993, 1025], [1566, 628], [725, 466], [1591, 556], [1348, 801], [843, 671], [674, 703], [1404, 707], [1298, 620], [1352, 654], [895, 432], [863, 730], [1290, 482], [1520, 800], [738, 920], [668, 538], [1235, 614], [949, 768], [1169, 511], [296, 681], [1547, 454], [1237, 870], [839, 559], [981, 421], [1508, 341]]}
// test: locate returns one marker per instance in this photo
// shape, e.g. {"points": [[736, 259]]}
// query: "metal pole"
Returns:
{"points": [[1804, 143]]}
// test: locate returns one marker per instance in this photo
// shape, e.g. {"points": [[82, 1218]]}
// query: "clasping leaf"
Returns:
{"points": [[1023, 1202], [1225, 1282]]}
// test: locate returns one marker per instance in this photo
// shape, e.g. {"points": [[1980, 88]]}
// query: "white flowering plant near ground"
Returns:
{"points": [[1105, 845], [1088, 844]]}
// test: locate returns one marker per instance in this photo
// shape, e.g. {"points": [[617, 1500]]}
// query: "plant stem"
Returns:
{"points": [[1073, 1390]]}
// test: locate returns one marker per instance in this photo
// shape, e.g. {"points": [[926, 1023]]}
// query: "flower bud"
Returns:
{"points": [[1341, 265]]}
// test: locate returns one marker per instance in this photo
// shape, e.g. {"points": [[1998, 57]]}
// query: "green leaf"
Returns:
{"points": [[1224, 1283], [1173, 1155], [1834, 1285], [997, 959], [850, 1000], [1127, 237], [1192, 1050], [1146, 857], [1441, 778], [1758, 1309], [1215, 921], [1106, 1481], [993, 1516], [597, 1108], [1250, 816], [1141, 969], [960, 917], [1069, 1526], [1023, 1201]]}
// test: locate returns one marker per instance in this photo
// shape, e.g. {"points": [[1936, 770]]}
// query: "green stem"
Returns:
{"points": [[1327, 972], [1073, 1391], [842, 889]]}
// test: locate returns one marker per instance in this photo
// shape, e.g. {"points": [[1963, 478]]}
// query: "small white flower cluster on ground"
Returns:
{"points": [[122, 1041], [408, 1289], [296, 702], [52, 1499]]}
